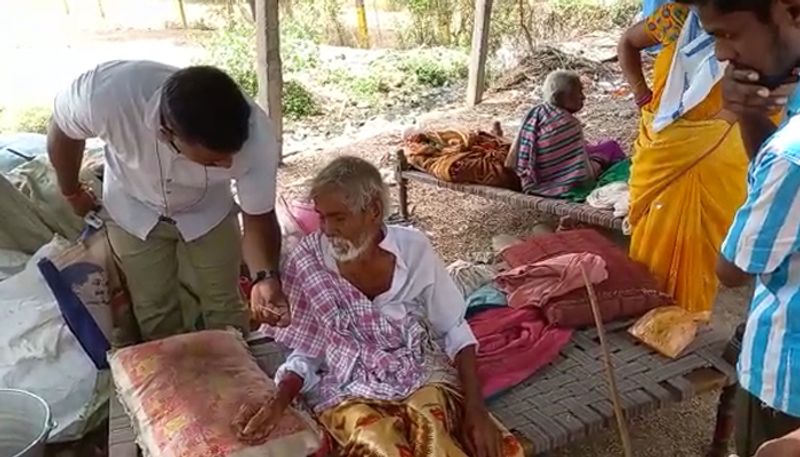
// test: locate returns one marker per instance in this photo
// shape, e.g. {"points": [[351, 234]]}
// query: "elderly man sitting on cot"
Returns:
{"points": [[550, 154], [380, 347]]}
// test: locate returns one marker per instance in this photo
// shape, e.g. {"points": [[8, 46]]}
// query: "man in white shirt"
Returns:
{"points": [[175, 140], [380, 346]]}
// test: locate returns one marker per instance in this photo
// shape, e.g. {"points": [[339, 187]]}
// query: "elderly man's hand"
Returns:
{"points": [[268, 303], [482, 436], [745, 94], [254, 422]]}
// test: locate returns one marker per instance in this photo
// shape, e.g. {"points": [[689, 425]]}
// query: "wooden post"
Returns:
{"points": [[480, 45], [252, 4], [401, 165], [361, 19], [268, 65], [182, 12]]}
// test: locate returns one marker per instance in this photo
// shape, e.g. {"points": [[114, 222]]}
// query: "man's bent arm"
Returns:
{"points": [[730, 275], [261, 242], [755, 131], [66, 155], [467, 365]]}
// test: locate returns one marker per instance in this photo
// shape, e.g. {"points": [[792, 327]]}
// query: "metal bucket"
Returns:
{"points": [[25, 424]]}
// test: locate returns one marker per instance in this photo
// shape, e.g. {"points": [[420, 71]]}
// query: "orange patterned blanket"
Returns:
{"points": [[460, 156]]}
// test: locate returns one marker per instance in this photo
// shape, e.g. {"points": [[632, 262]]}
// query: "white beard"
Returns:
{"points": [[345, 250]]}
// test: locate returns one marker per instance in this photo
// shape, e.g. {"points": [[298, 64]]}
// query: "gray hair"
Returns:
{"points": [[359, 180], [559, 82]]}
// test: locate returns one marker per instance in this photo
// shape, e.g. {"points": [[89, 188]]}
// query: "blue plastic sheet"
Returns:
{"points": [[18, 148]]}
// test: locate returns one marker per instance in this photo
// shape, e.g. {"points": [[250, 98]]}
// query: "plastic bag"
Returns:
{"points": [[91, 295], [39, 354], [668, 330]]}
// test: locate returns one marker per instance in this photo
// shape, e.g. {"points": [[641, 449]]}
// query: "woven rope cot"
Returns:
{"points": [[577, 212]]}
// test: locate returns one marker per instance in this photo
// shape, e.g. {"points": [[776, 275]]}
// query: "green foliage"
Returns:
{"points": [[233, 49], [33, 119], [405, 74], [431, 71], [450, 22], [298, 102]]}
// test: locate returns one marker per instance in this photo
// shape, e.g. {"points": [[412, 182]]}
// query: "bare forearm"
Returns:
{"points": [[261, 242], [288, 389], [66, 156], [755, 131], [467, 365], [630, 61], [629, 53], [730, 275]]}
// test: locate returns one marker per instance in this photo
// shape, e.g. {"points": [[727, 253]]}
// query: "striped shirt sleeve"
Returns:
{"points": [[766, 230]]}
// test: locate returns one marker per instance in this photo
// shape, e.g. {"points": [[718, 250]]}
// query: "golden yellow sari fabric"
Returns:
{"points": [[427, 424], [686, 183]]}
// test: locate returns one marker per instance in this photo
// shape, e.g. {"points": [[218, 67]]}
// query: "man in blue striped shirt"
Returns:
{"points": [[760, 39]]}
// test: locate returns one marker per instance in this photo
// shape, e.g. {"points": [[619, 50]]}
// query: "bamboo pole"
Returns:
{"points": [[624, 435], [182, 12], [361, 18]]}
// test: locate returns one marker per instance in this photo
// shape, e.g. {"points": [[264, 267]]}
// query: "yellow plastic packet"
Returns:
{"points": [[668, 330]]}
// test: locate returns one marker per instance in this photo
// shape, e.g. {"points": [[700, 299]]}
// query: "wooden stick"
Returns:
{"points": [[612, 381]]}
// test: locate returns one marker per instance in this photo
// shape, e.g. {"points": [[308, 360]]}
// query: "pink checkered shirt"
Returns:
{"points": [[358, 350]]}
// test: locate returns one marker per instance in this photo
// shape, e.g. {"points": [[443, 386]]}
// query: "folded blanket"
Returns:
{"points": [[486, 297], [614, 196], [513, 344], [535, 284]]}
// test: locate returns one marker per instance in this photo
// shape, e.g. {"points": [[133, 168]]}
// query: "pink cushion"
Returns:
{"points": [[306, 215], [183, 392], [629, 291]]}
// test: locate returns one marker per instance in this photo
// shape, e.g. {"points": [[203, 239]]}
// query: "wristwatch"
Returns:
{"points": [[263, 275]]}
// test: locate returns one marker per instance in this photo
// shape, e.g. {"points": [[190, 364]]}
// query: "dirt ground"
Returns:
{"points": [[462, 226]]}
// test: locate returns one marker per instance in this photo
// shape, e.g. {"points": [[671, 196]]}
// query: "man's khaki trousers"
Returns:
{"points": [[177, 287]]}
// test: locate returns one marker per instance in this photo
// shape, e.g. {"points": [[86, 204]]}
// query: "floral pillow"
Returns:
{"points": [[183, 392]]}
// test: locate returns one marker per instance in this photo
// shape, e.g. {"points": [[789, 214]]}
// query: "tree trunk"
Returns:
{"points": [[182, 12], [252, 8], [361, 18], [268, 65]]}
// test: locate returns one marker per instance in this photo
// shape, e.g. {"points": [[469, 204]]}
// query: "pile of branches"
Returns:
{"points": [[542, 60]]}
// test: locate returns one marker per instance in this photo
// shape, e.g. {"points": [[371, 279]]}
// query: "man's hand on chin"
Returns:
{"points": [[482, 436], [268, 303]]}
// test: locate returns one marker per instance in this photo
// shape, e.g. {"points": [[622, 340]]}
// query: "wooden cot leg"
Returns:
{"points": [[402, 183], [725, 420]]}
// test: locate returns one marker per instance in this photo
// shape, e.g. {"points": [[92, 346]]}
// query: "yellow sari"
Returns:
{"points": [[686, 183]]}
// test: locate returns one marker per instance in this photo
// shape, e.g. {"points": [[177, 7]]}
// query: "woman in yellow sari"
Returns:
{"points": [[688, 172]]}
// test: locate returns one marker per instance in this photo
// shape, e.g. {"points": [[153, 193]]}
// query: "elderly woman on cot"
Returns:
{"points": [[550, 154]]}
